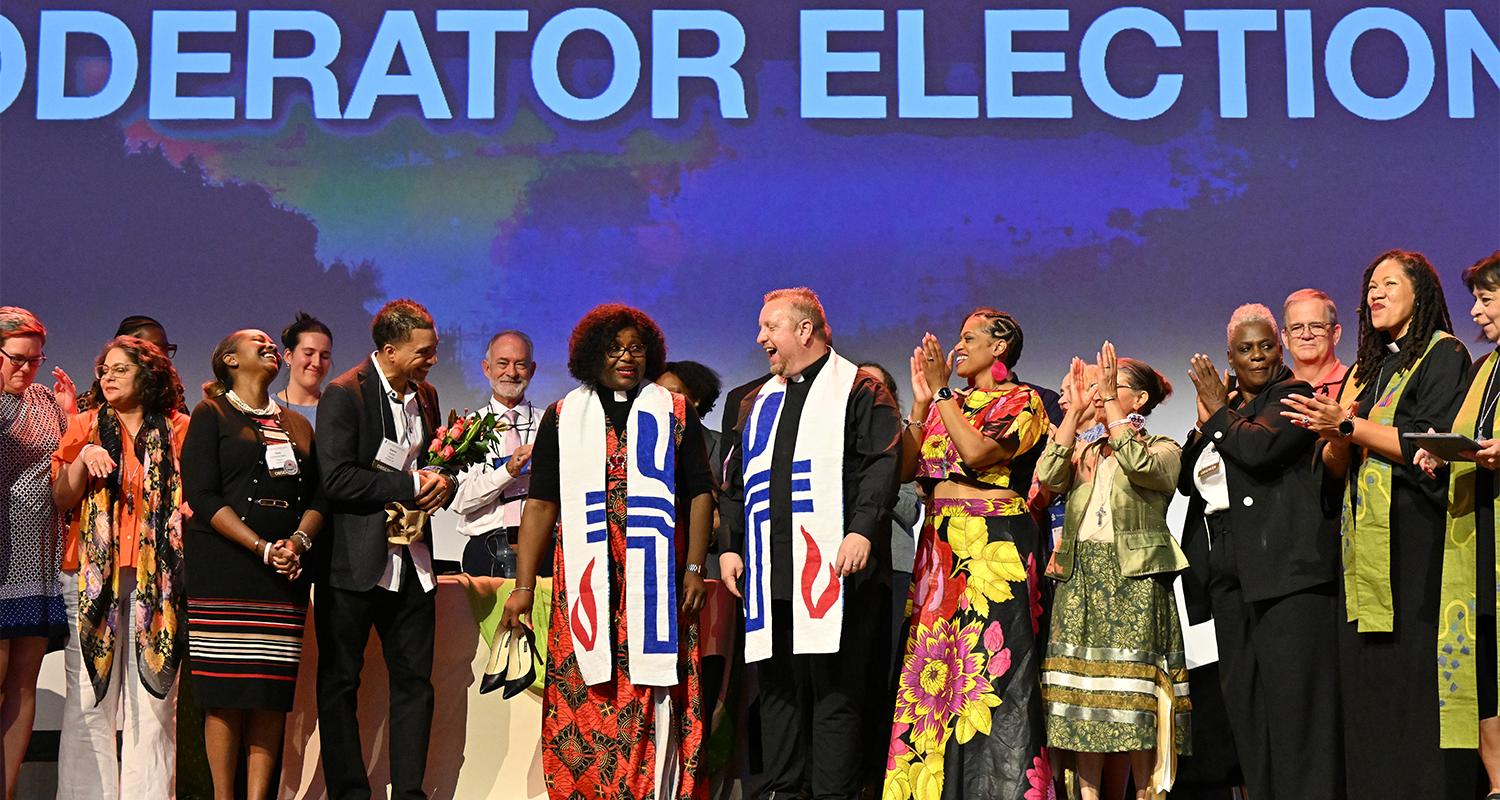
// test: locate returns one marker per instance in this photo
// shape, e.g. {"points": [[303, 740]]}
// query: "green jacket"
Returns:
{"points": [[1143, 488]]}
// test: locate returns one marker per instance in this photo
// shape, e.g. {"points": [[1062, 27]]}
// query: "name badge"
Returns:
{"points": [[281, 460], [1208, 470], [390, 457]]}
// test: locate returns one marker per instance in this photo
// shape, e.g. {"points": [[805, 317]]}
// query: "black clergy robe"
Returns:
{"points": [[826, 718]]}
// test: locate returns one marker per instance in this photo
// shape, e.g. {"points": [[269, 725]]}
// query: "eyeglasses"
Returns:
{"points": [[1315, 328], [635, 351], [170, 350], [21, 362], [118, 370]]}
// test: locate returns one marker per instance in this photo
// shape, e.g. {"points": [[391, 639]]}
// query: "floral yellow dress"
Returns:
{"points": [[969, 717]]}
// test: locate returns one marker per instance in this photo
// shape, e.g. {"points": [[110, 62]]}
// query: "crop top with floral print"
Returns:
{"points": [[1014, 411]]}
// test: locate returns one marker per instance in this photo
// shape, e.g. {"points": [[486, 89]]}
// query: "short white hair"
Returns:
{"points": [[1249, 312]]}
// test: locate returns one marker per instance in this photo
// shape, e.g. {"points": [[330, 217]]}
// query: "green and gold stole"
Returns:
{"points": [[1458, 674], [1367, 513]]}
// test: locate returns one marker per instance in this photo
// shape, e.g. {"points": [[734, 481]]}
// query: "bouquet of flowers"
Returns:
{"points": [[463, 442]]}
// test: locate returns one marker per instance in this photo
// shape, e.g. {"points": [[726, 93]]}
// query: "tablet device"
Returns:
{"points": [[1446, 446]]}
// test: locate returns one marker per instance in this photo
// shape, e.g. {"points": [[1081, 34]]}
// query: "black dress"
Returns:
{"points": [[1388, 679], [245, 620]]}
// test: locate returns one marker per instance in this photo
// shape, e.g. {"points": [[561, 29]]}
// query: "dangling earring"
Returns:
{"points": [[999, 371]]}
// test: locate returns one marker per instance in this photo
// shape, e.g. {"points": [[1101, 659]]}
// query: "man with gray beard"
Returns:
{"points": [[490, 495]]}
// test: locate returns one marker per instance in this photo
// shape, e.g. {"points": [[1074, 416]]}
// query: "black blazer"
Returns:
{"points": [[352, 415], [1282, 541]]}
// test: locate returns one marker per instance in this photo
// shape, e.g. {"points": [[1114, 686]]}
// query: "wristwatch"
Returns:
{"points": [[698, 568], [943, 394], [1346, 426]]}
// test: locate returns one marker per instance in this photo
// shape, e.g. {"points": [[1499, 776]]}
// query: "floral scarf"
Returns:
{"points": [[159, 597]]}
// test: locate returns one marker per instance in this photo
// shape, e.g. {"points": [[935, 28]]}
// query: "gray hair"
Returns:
{"points": [[806, 304], [1312, 294], [1249, 312], [15, 321], [526, 340]]}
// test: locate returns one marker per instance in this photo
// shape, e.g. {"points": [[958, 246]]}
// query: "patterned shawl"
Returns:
{"points": [[159, 597]]}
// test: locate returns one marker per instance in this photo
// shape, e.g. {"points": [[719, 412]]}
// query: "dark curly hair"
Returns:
{"points": [[1428, 315], [156, 381], [702, 383], [596, 332], [1002, 326]]}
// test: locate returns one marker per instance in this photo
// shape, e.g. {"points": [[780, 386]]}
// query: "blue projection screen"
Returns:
{"points": [[1100, 171]]}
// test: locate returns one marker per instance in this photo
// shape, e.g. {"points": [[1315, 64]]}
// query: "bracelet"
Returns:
{"points": [[306, 541], [912, 423], [1117, 423], [531, 589], [265, 552], [1107, 399]]}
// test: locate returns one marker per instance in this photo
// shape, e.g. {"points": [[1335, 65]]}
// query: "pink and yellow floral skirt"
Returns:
{"points": [[969, 719]]}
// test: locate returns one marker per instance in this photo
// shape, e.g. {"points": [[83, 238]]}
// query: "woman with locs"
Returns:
{"points": [[1410, 376], [250, 474]]}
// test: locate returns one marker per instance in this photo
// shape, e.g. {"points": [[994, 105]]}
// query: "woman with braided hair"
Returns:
{"points": [[1410, 377], [116, 468], [968, 704]]}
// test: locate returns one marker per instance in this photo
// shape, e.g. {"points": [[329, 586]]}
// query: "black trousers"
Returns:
{"points": [[1278, 667], [405, 621], [819, 713]]}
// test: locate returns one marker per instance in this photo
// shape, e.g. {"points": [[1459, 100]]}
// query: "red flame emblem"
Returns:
{"points": [[810, 576], [586, 600]]}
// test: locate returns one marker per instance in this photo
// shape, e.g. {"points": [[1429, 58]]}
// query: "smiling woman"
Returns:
{"points": [[623, 712], [1409, 377], [1262, 564]]}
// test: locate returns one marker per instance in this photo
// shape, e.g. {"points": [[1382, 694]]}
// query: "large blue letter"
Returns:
{"points": [[627, 57], [398, 29], [1421, 68], [481, 25], [52, 65], [1096, 81], [167, 63], [817, 63], [262, 67], [668, 67]]}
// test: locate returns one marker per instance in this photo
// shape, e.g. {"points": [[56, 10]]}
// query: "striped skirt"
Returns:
{"points": [[245, 653], [1115, 678]]}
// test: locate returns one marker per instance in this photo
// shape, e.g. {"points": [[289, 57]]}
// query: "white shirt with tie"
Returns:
{"points": [[407, 414], [488, 496]]}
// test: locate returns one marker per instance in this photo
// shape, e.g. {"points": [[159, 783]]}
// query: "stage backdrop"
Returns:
{"points": [[1099, 170]]}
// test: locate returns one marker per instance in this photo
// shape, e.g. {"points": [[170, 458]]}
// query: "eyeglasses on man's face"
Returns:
{"points": [[21, 362], [170, 350], [118, 370], [1314, 329], [635, 351]]}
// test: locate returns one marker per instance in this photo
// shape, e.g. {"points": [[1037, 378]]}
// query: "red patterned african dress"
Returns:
{"points": [[601, 741]]}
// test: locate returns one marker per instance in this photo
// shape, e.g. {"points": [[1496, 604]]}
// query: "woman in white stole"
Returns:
{"points": [[620, 462]]}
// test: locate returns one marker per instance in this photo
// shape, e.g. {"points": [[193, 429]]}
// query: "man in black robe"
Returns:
{"points": [[825, 717]]}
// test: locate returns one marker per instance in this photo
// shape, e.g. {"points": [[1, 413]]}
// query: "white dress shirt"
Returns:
{"points": [[407, 414], [1212, 483], [487, 492]]}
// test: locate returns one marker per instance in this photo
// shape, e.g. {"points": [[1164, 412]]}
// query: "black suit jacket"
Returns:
{"points": [[1283, 543], [352, 416]]}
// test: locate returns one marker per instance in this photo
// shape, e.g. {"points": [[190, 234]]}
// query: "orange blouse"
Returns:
{"points": [[127, 520]]}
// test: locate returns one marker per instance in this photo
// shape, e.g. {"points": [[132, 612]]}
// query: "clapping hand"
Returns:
{"points": [[1213, 390], [1080, 398]]}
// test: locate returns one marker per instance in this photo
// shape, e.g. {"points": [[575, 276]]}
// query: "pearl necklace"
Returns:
{"points": [[234, 400]]}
